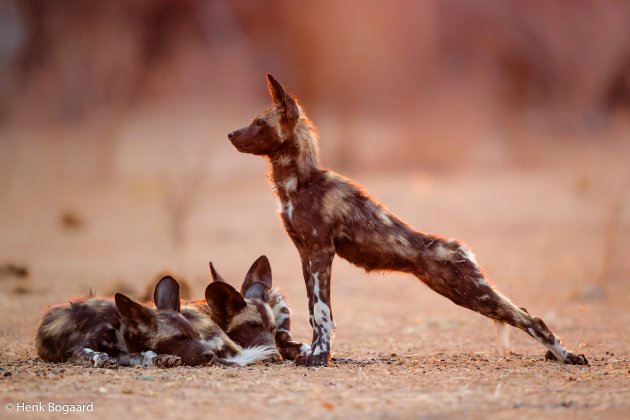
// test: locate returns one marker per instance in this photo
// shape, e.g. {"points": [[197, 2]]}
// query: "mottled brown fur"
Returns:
{"points": [[326, 214], [121, 332]]}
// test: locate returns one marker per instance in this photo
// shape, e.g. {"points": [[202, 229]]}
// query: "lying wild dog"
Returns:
{"points": [[125, 333], [106, 333], [240, 326], [266, 313], [326, 214]]}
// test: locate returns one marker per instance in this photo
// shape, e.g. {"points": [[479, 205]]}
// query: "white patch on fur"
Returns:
{"points": [[481, 282], [443, 253], [321, 312], [314, 232], [284, 160], [556, 348], [290, 185], [321, 316], [483, 298], [290, 210], [147, 358], [305, 349], [251, 355], [215, 343], [384, 217], [467, 253], [281, 318]]}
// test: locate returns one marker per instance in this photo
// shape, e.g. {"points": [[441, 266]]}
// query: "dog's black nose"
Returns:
{"points": [[231, 135], [208, 355]]}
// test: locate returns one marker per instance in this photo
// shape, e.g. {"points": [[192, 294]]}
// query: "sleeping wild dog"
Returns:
{"points": [[125, 333], [106, 333], [326, 214], [240, 326], [265, 313]]}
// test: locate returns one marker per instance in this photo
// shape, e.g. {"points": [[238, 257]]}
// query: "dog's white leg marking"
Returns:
{"points": [[148, 358], [323, 325], [98, 359]]}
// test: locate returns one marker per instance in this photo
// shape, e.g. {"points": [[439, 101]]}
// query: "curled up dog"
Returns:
{"points": [[228, 328], [121, 332]]}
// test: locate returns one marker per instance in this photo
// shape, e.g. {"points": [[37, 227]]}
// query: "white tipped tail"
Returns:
{"points": [[251, 355]]}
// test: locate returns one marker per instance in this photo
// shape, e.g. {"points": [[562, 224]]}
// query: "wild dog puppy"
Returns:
{"points": [[240, 327], [326, 214], [259, 293], [105, 333]]}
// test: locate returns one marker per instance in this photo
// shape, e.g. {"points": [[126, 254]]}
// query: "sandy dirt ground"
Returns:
{"points": [[544, 238]]}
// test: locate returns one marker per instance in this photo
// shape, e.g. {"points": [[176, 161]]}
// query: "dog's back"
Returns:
{"points": [[89, 322]]}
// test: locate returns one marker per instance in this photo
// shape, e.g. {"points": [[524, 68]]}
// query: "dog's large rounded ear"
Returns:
{"points": [[215, 276], [287, 104], [166, 294], [224, 301], [259, 272], [138, 319]]}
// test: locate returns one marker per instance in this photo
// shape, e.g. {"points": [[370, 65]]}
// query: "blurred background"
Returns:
{"points": [[503, 123]]}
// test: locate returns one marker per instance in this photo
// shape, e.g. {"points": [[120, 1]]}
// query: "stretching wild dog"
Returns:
{"points": [[267, 309], [326, 214], [122, 333]]}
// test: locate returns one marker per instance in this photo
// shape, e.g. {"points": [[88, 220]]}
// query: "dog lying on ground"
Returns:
{"points": [[106, 333], [326, 214], [261, 326], [229, 328]]}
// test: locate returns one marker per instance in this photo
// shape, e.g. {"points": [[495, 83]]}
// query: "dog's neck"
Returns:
{"points": [[295, 163]]}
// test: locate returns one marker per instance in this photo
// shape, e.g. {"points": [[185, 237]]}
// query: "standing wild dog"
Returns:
{"points": [[263, 314], [326, 214], [122, 333]]}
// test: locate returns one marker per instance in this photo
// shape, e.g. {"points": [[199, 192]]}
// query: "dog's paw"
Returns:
{"points": [[103, 361], [576, 359], [292, 350], [167, 361], [313, 360], [571, 359]]}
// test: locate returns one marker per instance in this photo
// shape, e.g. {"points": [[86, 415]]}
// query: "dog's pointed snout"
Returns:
{"points": [[231, 135]]}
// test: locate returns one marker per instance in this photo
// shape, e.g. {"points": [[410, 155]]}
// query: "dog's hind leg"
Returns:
{"points": [[452, 271]]}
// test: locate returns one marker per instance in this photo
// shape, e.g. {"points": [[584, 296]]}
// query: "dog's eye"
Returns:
{"points": [[260, 122]]}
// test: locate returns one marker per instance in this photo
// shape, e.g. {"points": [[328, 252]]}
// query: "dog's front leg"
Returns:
{"points": [[97, 359], [316, 267], [148, 359]]}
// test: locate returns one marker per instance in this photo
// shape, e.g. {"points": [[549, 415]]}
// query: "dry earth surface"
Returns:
{"points": [[544, 237]]}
